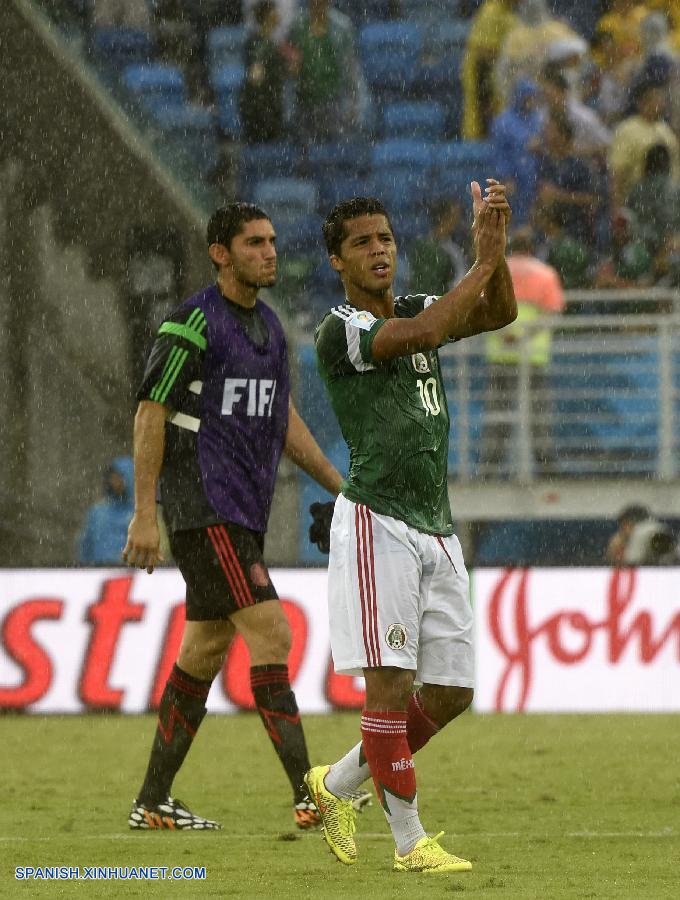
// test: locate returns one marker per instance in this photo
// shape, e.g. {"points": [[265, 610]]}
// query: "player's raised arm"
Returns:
{"points": [[456, 313], [143, 545]]}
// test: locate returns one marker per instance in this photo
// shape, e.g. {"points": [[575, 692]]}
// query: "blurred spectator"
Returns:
{"points": [[526, 46], [105, 530], [590, 136], [437, 262], [481, 101], [120, 14], [261, 102], [655, 200], [178, 43], [605, 82], [622, 22], [330, 87], [641, 540], [539, 293], [286, 9], [634, 137], [629, 264], [564, 182], [570, 257], [660, 63], [512, 133]]}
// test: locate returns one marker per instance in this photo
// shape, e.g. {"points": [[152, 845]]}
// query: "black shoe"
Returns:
{"points": [[171, 814]]}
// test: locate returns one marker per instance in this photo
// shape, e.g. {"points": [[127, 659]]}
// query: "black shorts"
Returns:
{"points": [[223, 569]]}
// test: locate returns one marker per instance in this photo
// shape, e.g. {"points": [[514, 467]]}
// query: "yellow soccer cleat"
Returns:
{"points": [[337, 816], [428, 856]]}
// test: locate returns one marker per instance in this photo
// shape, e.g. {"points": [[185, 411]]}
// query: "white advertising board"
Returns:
{"points": [[577, 640], [74, 640], [547, 640]]}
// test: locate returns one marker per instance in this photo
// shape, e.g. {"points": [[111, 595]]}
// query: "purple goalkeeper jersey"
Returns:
{"points": [[222, 372]]}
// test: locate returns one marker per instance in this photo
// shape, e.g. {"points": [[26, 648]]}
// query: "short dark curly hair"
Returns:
{"points": [[228, 221], [334, 226]]}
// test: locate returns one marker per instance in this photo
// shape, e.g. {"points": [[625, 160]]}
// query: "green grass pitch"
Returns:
{"points": [[546, 807]]}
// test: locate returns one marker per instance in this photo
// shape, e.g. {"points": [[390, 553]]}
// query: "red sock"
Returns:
{"points": [[419, 726], [388, 755]]}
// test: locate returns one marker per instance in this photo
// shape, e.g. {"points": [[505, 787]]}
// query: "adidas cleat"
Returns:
{"points": [[171, 815], [337, 816], [428, 856], [306, 815]]}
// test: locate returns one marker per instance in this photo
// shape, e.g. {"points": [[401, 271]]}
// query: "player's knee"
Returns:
{"points": [[464, 698], [457, 700], [388, 688], [269, 643], [446, 703]]}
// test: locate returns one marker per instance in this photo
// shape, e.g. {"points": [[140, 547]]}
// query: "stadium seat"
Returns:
{"points": [[119, 47], [293, 192], [402, 189], [157, 85], [390, 53], [422, 118], [366, 11], [427, 11], [225, 45], [191, 131], [334, 188], [188, 117], [287, 200], [345, 156], [226, 81], [306, 238], [457, 163], [416, 154], [259, 161], [464, 153]]}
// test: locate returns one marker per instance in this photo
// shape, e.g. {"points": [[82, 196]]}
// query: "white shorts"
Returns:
{"points": [[397, 597]]}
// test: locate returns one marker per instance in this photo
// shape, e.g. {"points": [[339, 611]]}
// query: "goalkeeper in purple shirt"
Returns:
{"points": [[214, 416]]}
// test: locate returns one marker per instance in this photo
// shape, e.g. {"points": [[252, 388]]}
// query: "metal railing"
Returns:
{"points": [[606, 405]]}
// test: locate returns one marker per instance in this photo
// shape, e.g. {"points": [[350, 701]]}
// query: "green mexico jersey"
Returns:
{"points": [[393, 416]]}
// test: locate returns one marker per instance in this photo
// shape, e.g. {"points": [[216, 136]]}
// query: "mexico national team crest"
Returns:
{"points": [[420, 363], [396, 636]]}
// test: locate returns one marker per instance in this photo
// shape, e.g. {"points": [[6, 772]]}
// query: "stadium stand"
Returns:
{"points": [[616, 395]]}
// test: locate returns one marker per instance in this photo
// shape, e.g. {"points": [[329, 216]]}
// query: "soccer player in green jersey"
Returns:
{"points": [[397, 585]]}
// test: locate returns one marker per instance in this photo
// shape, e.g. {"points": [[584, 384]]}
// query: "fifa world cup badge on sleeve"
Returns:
{"points": [[396, 636], [362, 319]]}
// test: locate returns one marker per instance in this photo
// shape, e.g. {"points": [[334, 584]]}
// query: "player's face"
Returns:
{"points": [[253, 254], [368, 254]]}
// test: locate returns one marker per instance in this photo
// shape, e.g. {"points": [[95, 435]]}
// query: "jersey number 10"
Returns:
{"points": [[428, 396]]}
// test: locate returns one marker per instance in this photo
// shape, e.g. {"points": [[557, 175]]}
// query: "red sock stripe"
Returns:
{"points": [[269, 679], [237, 565], [174, 715], [367, 582], [188, 687], [215, 538]]}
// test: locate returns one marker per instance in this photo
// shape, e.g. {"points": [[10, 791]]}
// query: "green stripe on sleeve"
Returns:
{"points": [[172, 376], [194, 318], [184, 331], [169, 363]]}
